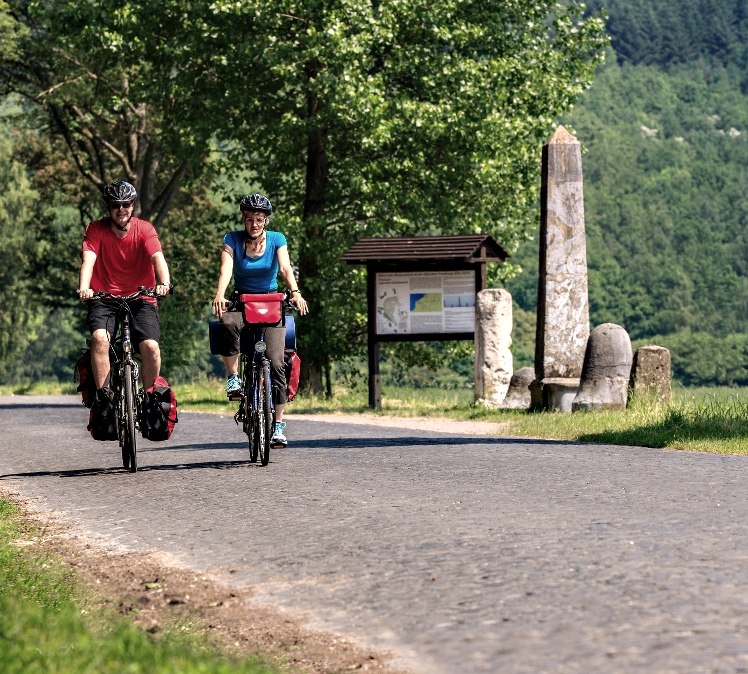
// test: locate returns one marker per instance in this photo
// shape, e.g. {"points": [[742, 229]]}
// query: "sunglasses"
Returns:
{"points": [[116, 206]]}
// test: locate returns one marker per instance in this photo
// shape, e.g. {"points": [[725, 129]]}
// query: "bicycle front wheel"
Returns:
{"points": [[131, 410], [264, 414], [250, 414], [121, 417]]}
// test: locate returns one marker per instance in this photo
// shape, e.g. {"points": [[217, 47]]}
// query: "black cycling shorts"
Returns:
{"points": [[144, 322]]}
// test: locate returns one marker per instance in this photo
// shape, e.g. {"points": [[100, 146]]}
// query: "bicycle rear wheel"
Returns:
{"points": [[264, 413], [131, 410]]}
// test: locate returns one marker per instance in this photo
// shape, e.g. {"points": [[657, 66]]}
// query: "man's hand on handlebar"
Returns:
{"points": [[159, 291], [163, 289]]}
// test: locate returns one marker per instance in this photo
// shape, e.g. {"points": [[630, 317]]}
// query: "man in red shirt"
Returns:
{"points": [[120, 254]]}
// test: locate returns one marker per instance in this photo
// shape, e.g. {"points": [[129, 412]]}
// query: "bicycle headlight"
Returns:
{"points": [[260, 347]]}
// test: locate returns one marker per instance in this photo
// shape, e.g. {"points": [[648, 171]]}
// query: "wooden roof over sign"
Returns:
{"points": [[473, 248]]}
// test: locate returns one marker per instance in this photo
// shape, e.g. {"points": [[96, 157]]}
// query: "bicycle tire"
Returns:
{"points": [[250, 414], [131, 412], [120, 406], [264, 413]]}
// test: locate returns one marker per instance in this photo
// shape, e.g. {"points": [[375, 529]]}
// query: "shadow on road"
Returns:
{"points": [[417, 441], [38, 405], [90, 472]]}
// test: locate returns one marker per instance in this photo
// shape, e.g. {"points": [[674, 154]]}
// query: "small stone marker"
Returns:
{"points": [[606, 371], [493, 339], [518, 395], [563, 306], [651, 372]]}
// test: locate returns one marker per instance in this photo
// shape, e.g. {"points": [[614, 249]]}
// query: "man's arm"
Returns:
{"points": [[85, 274], [163, 280]]}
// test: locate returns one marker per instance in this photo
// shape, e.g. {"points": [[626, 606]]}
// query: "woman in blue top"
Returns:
{"points": [[255, 257]]}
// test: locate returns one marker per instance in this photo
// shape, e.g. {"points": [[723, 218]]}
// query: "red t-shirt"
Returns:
{"points": [[122, 265]]}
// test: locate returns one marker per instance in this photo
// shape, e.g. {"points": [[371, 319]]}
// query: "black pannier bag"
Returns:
{"points": [[102, 420], [159, 411]]}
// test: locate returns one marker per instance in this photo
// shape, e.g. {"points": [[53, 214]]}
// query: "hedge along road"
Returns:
{"points": [[460, 553]]}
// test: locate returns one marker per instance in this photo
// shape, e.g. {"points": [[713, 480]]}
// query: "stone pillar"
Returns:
{"points": [[607, 367], [651, 373], [563, 309], [493, 339]]}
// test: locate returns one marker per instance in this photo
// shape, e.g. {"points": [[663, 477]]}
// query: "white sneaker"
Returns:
{"points": [[233, 385], [278, 441]]}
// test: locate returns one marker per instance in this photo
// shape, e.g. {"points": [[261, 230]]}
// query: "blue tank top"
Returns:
{"points": [[255, 274]]}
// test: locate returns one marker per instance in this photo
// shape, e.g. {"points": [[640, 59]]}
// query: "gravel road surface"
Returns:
{"points": [[459, 552]]}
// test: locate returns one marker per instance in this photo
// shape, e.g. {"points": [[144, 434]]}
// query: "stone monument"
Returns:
{"points": [[604, 383], [563, 307], [493, 339], [518, 395], [651, 373]]}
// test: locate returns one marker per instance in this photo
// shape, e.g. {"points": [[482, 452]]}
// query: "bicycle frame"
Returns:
{"points": [[128, 396], [124, 374], [256, 409]]}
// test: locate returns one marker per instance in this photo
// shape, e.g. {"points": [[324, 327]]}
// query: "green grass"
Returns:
{"points": [[45, 627]]}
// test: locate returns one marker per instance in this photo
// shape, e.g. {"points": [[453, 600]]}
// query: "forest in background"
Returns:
{"points": [[663, 130]]}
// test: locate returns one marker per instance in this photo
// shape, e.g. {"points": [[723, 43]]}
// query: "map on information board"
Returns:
{"points": [[425, 302]]}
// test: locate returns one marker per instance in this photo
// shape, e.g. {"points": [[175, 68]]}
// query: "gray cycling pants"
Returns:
{"points": [[230, 339]]}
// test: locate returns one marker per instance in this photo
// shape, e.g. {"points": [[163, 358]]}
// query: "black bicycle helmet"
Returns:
{"points": [[256, 202], [119, 192]]}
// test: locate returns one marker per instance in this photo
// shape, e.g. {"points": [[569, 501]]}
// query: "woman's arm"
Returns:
{"points": [[224, 278], [286, 271]]}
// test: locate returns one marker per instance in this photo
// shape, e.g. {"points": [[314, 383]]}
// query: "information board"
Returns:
{"points": [[411, 303]]}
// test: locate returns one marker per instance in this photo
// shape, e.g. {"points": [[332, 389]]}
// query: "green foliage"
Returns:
{"points": [[672, 32], [19, 253], [397, 118]]}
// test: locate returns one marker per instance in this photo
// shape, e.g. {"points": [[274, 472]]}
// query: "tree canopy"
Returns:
{"points": [[356, 117]]}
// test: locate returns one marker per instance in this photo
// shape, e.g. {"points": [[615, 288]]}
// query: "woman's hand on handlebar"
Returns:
{"points": [[220, 305], [85, 294], [300, 303], [295, 300]]}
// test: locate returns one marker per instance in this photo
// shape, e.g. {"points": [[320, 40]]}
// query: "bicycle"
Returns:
{"points": [[256, 411], [124, 375]]}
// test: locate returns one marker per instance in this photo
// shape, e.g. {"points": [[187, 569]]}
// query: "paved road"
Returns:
{"points": [[464, 554]]}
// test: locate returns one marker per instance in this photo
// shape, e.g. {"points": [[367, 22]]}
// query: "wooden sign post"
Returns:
{"points": [[421, 289]]}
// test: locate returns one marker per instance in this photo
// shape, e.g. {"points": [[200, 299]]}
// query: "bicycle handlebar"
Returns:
{"points": [[140, 292]]}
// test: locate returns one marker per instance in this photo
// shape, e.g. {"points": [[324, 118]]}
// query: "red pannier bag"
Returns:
{"points": [[83, 376], [262, 308], [159, 411], [292, 365]]}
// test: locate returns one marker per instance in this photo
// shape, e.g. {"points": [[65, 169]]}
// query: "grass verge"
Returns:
{"points": [[45, 625], [704, 419]]}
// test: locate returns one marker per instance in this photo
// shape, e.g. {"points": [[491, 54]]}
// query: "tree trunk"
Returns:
{"points": [[314, 356]]}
